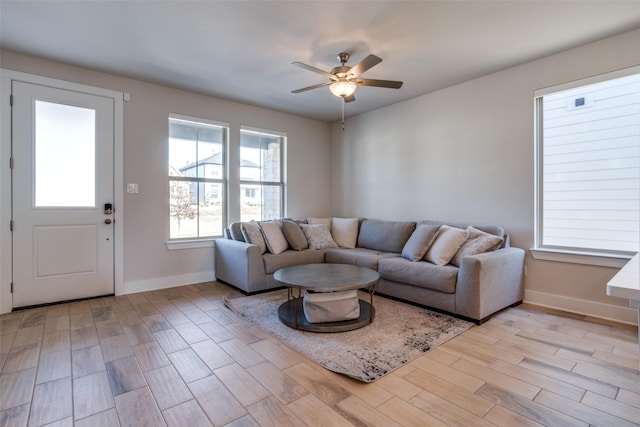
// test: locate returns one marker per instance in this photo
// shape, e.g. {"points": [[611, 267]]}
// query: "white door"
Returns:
{"points": [[62, 183]]}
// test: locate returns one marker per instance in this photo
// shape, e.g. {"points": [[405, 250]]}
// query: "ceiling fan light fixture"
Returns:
{"points": [[342, 88]]}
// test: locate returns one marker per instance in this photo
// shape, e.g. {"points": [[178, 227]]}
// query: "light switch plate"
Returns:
{"points": [[132, 188]]}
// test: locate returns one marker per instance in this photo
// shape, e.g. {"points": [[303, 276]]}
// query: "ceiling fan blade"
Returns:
{"points": [[350, 98], [379, 83], [304, 89], [364, 65], [315, 70]]}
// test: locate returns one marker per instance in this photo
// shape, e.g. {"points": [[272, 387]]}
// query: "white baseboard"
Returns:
{"points": [[158, 283], [600, 310]]}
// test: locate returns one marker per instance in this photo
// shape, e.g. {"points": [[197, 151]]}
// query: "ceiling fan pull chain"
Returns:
{"points": [[342, 98]]}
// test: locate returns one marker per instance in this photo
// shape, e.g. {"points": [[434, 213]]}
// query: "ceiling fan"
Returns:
{"points": [[344, 80]]}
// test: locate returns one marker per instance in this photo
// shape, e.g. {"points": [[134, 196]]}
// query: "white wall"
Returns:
{"points": [[148, 264], [466, 153]]}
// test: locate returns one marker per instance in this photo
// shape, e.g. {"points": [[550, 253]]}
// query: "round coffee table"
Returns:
{"points": [[325, 278]]}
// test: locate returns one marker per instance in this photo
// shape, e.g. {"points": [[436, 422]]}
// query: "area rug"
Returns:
{"points": [[399, 333]]}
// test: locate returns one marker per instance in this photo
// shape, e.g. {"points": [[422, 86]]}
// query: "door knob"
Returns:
{"points": [[107, 221]]}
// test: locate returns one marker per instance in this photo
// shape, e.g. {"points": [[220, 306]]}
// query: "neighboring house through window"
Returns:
{"points": [[197, 177], [588, 166]]}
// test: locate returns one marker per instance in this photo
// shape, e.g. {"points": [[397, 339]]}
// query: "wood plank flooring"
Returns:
{"points": [[178, 357]]}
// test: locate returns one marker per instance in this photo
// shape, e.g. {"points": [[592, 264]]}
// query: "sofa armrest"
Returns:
{"points": [[239, 264], [489, 282]]}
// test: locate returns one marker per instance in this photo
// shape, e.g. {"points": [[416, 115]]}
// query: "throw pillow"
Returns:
{"points": [[235, 228], [449, 240], [477, 243], [252, 234], [325, 221], [420, 242], [385, 236], [273, 237], [345, 232], [294, 235], [318, 236]]}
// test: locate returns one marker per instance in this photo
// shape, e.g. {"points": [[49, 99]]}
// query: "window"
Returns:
{"points": [[588, 166], [261, 175], [197, 177]]}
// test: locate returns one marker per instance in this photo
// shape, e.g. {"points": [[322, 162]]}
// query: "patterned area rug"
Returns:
{"points": [[399, 333]]}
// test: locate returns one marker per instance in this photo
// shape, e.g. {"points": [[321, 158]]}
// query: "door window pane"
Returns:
{"points": [[65, 156]]}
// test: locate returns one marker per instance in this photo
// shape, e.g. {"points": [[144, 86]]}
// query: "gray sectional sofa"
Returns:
{"points": [[474, 284]]}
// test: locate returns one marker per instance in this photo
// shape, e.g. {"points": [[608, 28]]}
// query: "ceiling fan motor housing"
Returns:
{"points": [[342, 70]]}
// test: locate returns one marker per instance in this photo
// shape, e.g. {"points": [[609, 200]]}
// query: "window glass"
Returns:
{"points": [[196, 178], [261, 187], [589, 167]]}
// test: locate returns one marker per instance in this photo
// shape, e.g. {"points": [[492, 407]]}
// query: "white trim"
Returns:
{"points": [[189, 244], [118, 167], [587, 81], [168, 282], [599, 310], [6, 301], [264, 131], [198, 120], [604, 260]]}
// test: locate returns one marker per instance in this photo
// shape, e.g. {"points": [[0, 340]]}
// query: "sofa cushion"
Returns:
{"points": [[345, 232], [421, 274], [252, 234], [491, 229], [449, 240], [385, 236], [477, 243], [294, 235], [359, 256], [318, 236], [288, 258], [420, 242], [273, 237]]}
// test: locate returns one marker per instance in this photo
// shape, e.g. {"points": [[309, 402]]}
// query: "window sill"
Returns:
{"points": [[603, 260], [189, 244]]}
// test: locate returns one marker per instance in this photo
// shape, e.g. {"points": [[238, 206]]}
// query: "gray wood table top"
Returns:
{"points": [[326, 277]]}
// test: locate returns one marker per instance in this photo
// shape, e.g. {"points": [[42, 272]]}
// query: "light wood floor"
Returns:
{"points": [[179, 357]]}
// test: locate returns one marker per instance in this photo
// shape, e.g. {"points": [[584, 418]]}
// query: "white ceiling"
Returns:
{"points": [[242, 50]]}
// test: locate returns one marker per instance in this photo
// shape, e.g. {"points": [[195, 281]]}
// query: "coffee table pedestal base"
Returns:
{"points": [[291, 313]]}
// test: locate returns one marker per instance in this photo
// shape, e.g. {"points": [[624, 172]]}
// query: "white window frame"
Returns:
{"points": [[261, 183], [539, 251], [207, 241]]}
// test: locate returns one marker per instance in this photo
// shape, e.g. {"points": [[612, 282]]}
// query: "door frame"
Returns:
{"points": [[6, 256]]}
